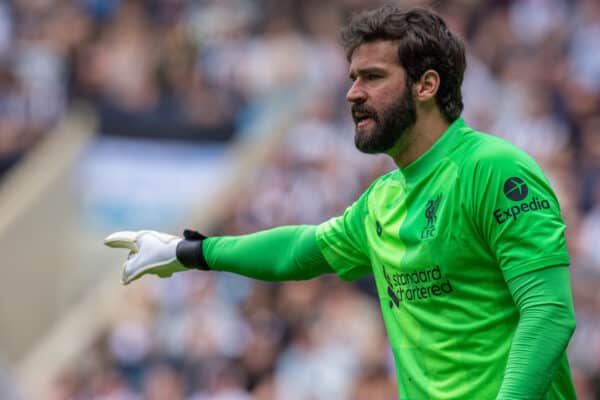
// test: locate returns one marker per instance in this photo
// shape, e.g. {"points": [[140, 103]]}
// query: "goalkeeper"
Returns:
{"points": [[465, 239]]}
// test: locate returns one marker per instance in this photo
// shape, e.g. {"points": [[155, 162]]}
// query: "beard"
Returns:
{"points": [[389, 125]]}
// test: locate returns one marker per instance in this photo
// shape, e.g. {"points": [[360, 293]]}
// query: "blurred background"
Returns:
{"points": [[229, 116]]}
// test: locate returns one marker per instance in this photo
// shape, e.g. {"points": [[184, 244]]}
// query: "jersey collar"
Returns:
{"points": [[429, 160]]}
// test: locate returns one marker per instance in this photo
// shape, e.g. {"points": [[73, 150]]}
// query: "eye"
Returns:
{"points": [[372, 77]]}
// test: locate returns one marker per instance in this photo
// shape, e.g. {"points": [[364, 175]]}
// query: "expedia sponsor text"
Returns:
{"points": [[513, 212]]}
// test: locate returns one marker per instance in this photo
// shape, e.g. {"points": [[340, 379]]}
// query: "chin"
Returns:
{"points": [[366, 144], [361, 140]]}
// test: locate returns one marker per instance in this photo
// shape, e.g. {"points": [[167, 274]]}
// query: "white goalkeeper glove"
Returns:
{"points": [[157, 253]]}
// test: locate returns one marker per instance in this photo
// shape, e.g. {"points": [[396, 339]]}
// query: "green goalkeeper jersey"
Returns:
{"points": [[442, 237]]}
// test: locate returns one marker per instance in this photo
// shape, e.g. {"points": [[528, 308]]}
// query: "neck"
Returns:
{"points": [[418, 138]]}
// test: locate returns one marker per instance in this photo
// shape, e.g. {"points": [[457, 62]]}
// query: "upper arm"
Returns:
{"points": [[517, 212]]}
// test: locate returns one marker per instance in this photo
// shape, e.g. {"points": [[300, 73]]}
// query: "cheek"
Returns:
{"points": [[383, 106], [385, 97]]}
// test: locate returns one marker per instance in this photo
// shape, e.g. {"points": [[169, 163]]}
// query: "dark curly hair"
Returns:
{"points": [[424, 42]]}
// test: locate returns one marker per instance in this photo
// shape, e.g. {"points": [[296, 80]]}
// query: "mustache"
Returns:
{"points": [[363, 109]]}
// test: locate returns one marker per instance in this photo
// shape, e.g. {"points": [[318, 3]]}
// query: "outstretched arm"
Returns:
{"points": [[279, 254], [547, 321], [285, 253]]}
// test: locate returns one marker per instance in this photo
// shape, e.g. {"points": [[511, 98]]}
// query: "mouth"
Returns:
{"points": [[364, 122], [361, 118]]}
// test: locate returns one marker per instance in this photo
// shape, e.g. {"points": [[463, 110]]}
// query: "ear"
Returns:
{"points": [[427, 86]]}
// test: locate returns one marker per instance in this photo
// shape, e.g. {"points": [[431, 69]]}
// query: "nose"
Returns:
{"points": [[356, 94]]}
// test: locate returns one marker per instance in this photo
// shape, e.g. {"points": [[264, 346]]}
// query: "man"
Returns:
{"points": [[465, 238]]}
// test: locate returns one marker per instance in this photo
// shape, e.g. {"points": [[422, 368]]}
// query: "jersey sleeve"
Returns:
{"points": [[517, 212], [343, 241]]}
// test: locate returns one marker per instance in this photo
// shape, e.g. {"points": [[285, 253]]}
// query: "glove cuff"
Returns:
{"points": [[189, 250]]}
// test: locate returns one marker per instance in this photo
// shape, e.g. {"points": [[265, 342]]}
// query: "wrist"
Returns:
{"points": [[189, 250]]}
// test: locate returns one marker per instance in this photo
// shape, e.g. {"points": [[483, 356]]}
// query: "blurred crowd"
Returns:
{"points": [[199, 70]]}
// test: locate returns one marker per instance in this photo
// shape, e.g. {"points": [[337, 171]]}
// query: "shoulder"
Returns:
{"points": [[383, 181], [482, 151], [385, 186], [496, 170]]}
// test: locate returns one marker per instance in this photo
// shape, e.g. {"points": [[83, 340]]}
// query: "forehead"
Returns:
{"points": [[381, 53]]}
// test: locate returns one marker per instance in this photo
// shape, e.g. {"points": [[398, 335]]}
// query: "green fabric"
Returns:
{"points": [[280, 254], [442, 237], [547, 321]]}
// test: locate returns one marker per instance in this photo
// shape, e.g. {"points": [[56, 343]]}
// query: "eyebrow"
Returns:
{"points": [[365, 71]]}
